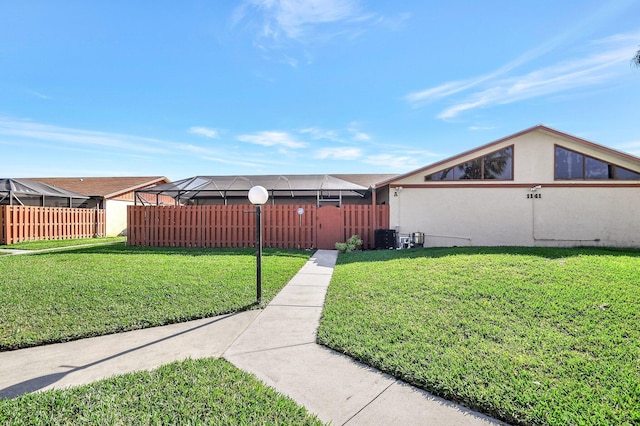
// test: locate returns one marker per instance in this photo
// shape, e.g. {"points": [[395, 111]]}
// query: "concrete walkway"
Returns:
{"points": [[279, 347], [276, 344], [84, 361]]}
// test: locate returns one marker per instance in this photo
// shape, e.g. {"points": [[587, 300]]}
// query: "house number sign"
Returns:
{"points": [[534, 195]]}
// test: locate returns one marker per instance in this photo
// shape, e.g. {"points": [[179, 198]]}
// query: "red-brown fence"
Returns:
{"points": [[20, 223], [234, 226]]}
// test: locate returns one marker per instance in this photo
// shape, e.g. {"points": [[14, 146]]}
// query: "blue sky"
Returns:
{"points": [[178, 89]]}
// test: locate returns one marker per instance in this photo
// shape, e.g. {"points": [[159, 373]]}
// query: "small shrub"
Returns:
{"points": [[353, 243]]}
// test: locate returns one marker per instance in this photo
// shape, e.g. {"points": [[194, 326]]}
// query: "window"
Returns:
{"points": [[624, 174], [596, 169], [497, 165], [446, 174], [469, 170], [576, 166], [569, 164]]}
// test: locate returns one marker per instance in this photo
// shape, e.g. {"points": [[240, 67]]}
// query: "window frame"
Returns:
{"points": [[453, 169], [584, 167]]}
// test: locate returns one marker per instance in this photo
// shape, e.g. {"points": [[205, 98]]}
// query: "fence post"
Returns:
{"points": [[4, 224]]}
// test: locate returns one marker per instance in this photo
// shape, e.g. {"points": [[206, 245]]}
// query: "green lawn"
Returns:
{"points": [[46, 244], [91, 291], [532, 336], [206, 391]]}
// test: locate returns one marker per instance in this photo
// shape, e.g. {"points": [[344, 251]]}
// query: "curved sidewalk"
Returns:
{"points": [[280, 348]]}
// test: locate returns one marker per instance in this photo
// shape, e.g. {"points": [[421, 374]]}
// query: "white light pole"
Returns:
{"points": [[258, 195]]}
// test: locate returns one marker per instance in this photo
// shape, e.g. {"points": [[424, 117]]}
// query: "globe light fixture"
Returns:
{"points": [[258, 196]]}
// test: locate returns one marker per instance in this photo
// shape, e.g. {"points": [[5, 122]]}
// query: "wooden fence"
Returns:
{"points": [[234, 226], [21, 223]]}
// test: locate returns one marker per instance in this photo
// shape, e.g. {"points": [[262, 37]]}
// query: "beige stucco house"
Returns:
{"points": [[538, 187]]}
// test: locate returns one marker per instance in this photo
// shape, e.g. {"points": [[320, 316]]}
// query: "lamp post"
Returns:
{"points": [[258, 195]]}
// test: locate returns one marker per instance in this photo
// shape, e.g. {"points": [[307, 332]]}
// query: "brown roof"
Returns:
{"points": [[107, 187]]}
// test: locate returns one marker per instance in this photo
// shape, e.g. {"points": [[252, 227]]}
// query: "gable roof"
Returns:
{"points": [[538, 127], [106, 187]]}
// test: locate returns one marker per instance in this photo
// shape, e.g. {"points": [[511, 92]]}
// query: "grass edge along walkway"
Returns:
{"points": [[77, 293], [207, 390], [527, 335], [61, 244]]}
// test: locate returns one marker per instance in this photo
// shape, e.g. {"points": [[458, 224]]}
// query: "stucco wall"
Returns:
{"points": [[116, 217], [489, 213], [505, 216]]}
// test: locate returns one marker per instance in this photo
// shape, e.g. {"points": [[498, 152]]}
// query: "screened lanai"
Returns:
{"points": [[283, 189], [24, 192]]}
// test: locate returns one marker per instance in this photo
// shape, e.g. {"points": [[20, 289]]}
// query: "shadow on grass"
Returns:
{"points": [[41, 382], [440, 252], [126, 329], [122, 248]]}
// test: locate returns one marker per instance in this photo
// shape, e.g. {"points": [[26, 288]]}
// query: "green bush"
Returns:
{"points": [[353, 243]]}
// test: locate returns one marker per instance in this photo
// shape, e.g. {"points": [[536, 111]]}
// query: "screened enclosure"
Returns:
{"points": [[24, 192], [283, 189]]}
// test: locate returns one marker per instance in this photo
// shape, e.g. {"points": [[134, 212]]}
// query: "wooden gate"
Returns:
{"points": [[329, 227]]}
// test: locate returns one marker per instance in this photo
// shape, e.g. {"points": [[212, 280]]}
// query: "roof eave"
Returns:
{"points": [[539, 127], [135, 187]]}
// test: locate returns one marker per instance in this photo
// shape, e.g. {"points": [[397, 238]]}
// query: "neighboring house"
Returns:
{"points": [[538, 187], [113, 194], [321, 190]]}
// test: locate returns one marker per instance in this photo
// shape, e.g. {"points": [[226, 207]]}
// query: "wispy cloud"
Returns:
{"points": [[361, 136], [29, 130], [498, 88], [477, 128], [318, 133], [357, 134], [272, 138], [339, 153], [18, 132], [393, 162], [420, 98], [352, 133], [205, 131], [38, 94], [295, 19], [234, 162], [577, 73]]}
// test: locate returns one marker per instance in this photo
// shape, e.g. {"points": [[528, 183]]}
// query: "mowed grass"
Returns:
{"points": [[532, 336], [205, 391], [84, 292], [48, 244]]}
